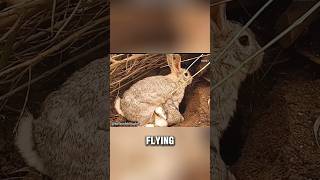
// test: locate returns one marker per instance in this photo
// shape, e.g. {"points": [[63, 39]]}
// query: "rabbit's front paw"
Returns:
{"points": [[160, 117], [149, 125], [159, 111], [181, 118], [159, 122]]}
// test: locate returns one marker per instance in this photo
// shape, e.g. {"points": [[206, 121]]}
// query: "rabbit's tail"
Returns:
{"points": [[117, 106], [25, 144]]}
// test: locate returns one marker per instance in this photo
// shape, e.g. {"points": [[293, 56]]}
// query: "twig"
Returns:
{"points": [[203, 68], [17, 80], [12, 29], [137, 70], [272, 64], [68, 20], [133, 57], [220, 2], [186, 60], [25, 101], [316, 128], [88, 42], [53, 13], [194, 61]]}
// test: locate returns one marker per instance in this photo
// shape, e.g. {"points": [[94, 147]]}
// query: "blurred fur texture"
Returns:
{"points": [[225, 97], [67, 140]]}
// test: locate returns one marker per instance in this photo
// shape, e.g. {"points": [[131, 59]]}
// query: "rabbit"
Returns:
{"points": [[141, 100], [224, 98], [68, 140], [173, 113]]}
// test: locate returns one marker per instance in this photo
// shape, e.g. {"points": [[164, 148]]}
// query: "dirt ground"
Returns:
{"points": [[271, 136], [197, 110]]}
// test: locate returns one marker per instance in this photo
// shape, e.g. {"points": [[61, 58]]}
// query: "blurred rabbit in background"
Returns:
{"points": [[224, 98]]}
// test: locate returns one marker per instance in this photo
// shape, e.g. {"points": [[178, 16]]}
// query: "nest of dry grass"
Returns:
{"points": [[39, 37], [126, 69]]}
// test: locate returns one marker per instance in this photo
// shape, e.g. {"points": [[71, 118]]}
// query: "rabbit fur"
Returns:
{"points": [[55, 143], [142, 98], [224, 98], [67, 140]]}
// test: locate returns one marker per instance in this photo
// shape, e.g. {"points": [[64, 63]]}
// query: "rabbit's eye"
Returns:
{"points": [[244, 40], [185, 74]]}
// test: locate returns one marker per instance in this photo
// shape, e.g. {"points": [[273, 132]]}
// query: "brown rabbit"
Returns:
{"points": [[164, 93], [225, 97], [68, 139]]}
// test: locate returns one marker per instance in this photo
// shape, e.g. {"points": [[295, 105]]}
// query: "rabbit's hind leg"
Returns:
{"points": [[159, 111], [159, 118], [174, 116]]}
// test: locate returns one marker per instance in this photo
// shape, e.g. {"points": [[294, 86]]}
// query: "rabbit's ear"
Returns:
{"points": [[174, 62], [219, 17]]}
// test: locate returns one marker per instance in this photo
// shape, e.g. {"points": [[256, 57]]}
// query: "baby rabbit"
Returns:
{"points": [[224, 98], [68, 141], [156, 99]]}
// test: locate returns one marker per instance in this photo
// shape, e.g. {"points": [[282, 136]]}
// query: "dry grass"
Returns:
{"points": [[37, 39], [47, 34], [127, 69]]}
